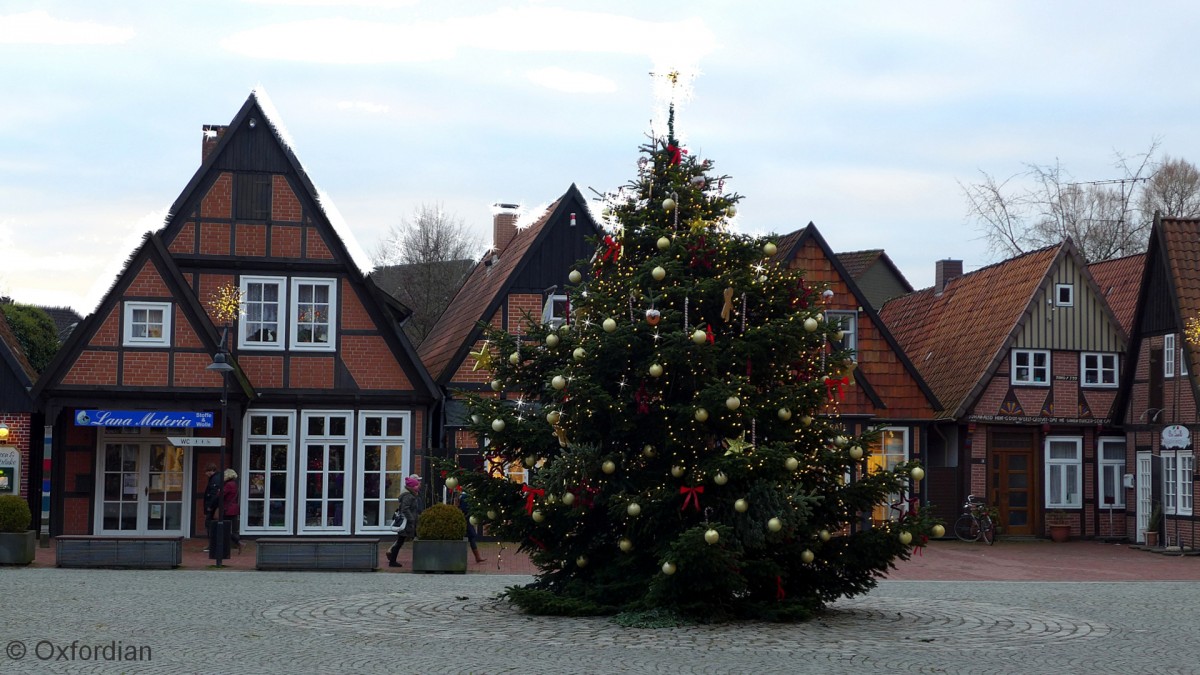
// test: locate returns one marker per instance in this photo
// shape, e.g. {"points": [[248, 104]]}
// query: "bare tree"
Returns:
{"points": [[422, 262], [1173, 190], [1044, 205]]}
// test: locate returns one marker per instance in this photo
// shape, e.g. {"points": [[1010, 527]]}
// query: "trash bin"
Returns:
{"points": [[218, 543]]}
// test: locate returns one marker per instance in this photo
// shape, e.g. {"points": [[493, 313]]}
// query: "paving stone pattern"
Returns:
{"points": [[200, 621]]}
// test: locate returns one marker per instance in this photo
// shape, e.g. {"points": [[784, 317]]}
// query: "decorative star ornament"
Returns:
{"points": [[738, 446], [483, 358], [698, 226]]}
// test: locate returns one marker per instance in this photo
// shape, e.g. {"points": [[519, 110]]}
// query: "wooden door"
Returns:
{"points": [[1012, 481]]}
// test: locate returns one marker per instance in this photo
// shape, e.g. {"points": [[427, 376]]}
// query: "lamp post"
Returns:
{"points": [[218, 544]]}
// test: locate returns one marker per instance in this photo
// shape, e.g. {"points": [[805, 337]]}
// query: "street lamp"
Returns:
{"points": [[218, 544]]}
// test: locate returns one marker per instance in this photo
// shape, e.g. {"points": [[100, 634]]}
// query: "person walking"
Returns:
{"points": [[465, 507], [410, 509], [212, 499], [229, 507]]}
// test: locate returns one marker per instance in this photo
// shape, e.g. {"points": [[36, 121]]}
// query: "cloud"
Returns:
{"points": [[571, 82], [529, 29], [39, 28], [363, 106]]}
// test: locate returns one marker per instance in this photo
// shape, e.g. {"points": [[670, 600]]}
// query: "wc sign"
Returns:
{"points": [[1176, 436]]}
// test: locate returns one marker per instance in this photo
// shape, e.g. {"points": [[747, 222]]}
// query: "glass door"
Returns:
{"points": [[142, 487]]}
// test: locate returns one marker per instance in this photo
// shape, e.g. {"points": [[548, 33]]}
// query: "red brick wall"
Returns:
{"points": [[218, 203], [518, 305], [148, 283], [265, 372], [144, 368], [190, 370], [285, 241], [370, 362], [185, 241], [251, 240], [109, 332], [315, 245], [311, 372], [208, 285], [353, 314], [284, 204], [185, 335], [214, 238], [93, 368]]}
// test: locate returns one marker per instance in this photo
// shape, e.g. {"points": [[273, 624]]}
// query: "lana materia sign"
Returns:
{"points": [[144, 418]]}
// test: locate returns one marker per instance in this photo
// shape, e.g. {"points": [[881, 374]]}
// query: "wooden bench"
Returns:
{"points": [[144, 552], [350, 554]]}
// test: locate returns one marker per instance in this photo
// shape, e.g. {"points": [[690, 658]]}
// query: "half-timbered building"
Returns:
{"points": [[327, 403]]}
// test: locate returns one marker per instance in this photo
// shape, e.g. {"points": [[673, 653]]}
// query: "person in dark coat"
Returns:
{"points": [[212, 499], [229, 507], [410, 508]]}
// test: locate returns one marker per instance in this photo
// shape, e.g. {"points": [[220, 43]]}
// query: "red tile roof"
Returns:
{"points": [[1182, 239], [486, 281], [956, 337], [857, 262], [1119, 281]]}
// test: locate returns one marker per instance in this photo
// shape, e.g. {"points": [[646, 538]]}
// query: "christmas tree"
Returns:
{"points": [[676, 425]]}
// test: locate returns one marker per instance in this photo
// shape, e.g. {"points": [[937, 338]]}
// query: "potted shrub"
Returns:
{"points": [[1153, 526], [16, 539], [1058, 525], [441, 543]]}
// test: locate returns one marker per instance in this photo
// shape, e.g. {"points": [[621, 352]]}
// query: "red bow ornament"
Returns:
{"points": [[676, 154], [692, 495], [833, 385], [530, 495], [613, 250]]}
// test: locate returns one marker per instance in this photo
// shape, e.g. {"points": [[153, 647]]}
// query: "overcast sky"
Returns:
{"points": [[860, 117]]}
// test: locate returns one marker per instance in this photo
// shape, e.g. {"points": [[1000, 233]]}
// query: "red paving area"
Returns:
{"points": [[1007, 560]]}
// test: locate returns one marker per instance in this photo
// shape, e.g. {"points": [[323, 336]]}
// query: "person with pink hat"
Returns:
{"points": [[409, 510]]}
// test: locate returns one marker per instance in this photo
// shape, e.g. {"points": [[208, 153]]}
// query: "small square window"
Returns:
{"points": [[147, 324], [848, 323], [1098, 370], [1030, 366], [1064, 295], [554, 312]]}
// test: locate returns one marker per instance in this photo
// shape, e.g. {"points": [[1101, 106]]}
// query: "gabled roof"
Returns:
{"points": [[858, 262], [485, 289], [65, 319], [958, 337], [789, 246], [1119, 281]]}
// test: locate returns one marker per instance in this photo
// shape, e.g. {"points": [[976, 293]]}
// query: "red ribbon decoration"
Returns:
{"points": [[538, 542], [530, 495], [643, 400], [676, 154], [692, 495], [833, 384], [709, 334], [780, 594], [613, 250]]}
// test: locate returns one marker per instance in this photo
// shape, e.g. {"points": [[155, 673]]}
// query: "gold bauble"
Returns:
{"points": [[699, 337], [938, 531], [648, 451], [668, 568], [741, 505], [656, 370], [712, 536], [664, 243], [918, 473], [497, 385], [806, 556], [810, 325], [720, 478], [559, 382], [568, 498], [625, 545], [658, 273], [575, 276], [668, 204], [905, 538], [491, 514], [856, 452], [774, 525], [701, 415], [609, 325], [553, 417], [578, 354], [609, 467], [514, 358], [733, 403], [581, 561], [769, 248], [451, 482], [633, 509], [537, 516], [677, 471], [551, 340], [824, 535], [784, 414], [791, 463], [498, 424]]}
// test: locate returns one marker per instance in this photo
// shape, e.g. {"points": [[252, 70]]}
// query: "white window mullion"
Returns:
{"points": [[381, 451]]}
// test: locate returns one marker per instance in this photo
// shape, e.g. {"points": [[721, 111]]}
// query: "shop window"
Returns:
{"points": [[147, 324], [267, 472], [886, 453], [325, 448], [384, 439]]}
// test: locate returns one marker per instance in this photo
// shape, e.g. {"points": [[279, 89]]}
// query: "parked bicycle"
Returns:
{"points": [[975, 523]]}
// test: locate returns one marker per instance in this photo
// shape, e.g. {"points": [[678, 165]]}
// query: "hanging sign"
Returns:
{"points": [[1176, 436], [143, 418], [194, 441]]}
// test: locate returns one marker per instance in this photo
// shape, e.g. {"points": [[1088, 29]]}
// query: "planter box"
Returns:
{"points": [[119, 552], [431, 555], [17, 548], [317, 553], [1059, 533]]}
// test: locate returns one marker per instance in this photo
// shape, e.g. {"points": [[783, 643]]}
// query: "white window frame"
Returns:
{"points": [[269, 439], [403, 441], [294, 315], [549, 316], [848, 323], [131, 340], [1032, 355], [1100, 369], [325, 441], [250, 318], [1066, 472], [1169, 355], [1058, 295], [1178, 472], [1111, 469]]}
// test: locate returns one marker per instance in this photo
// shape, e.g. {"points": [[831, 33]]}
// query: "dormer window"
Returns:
{"points": [[1064, 295], [554, 312]]}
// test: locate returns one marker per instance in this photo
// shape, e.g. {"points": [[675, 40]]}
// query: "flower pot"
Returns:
{"points": [[1151, 538], [436, 555], [17, 548], [1059, 532]]}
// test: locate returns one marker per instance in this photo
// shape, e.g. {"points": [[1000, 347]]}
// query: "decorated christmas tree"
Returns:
{"points": [[676, 427]]}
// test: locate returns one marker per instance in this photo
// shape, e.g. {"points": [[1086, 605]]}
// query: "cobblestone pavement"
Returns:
{"points": [[201, 621]]}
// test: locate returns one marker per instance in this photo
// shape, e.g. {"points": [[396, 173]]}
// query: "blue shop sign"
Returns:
{"points": [[144, 418]]}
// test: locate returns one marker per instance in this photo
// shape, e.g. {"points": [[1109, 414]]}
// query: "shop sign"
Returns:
{"points": [[143, 418], [1176, 436]]}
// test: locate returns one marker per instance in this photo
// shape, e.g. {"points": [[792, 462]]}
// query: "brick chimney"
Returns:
{"points": [[946, 271], [504, 225], [212, 134]]}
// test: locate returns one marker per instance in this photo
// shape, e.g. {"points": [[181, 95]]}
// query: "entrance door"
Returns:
{"points": [[1012, 481], [142, 487], [1145, 494]]}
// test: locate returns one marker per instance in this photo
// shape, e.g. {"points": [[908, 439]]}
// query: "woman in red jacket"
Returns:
{"points": [[229, 507]]}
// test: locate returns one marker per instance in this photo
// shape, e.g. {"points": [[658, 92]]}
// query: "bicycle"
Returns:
{"points": [[976, 522]]}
